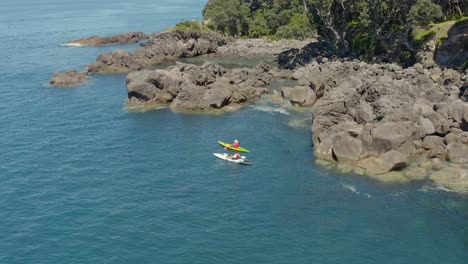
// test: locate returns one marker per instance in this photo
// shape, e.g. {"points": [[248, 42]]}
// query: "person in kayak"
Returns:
{"points": [[236, 156], [236, 144]]}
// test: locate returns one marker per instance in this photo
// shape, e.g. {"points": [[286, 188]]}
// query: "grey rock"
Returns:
{"points": [[365, 112], [435, 146], [68, 78], [427, 126], [299, 95], [346, 148], [161, 47], [396, 133], [441, 125], [457, 153], [324, 150], [392, 160]]}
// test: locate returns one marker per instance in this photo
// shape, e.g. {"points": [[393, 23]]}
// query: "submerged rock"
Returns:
{"points": [[123, 38], [453, 177], [68, 78]]}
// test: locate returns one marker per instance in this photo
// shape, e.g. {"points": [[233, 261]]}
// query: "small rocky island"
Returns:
{"points": [[381, 119], [68, 78]]}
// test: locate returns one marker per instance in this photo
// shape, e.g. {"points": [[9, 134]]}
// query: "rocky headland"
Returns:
{"points": [[160, 48], [129, 37], [381, 118]]}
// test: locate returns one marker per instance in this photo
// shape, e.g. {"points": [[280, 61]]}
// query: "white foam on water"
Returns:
{"points": [[300, 123], [143, 109], [351, 188], [354, 190], [432, 188], [270, 109], [397, 194], [71, 45]]}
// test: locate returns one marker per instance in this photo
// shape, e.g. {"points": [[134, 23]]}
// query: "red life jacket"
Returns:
{"points": [[237, 156], [236, 144]]}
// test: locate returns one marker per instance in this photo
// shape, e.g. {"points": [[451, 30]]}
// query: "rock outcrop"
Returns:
{"points": [[453, 52], [381, 117], [161, 47], [68, 78], [129, 37], [296, 57], [187, 87]]}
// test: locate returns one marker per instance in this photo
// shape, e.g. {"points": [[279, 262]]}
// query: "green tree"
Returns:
{"points": [[424, 12], [263, 23], [228, 17], [298, 28]]}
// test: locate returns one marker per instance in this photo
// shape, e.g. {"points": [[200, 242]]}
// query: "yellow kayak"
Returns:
{"points": [[229, 146]]}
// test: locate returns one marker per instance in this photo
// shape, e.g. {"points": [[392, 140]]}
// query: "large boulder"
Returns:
{"points": [[458, 153], [392, 135], [435, 146], [427, 126], [299, 95], [392, 160], [346, 149], [68, 78]]}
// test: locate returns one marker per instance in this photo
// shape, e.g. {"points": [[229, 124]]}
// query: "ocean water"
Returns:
{"points": [[82, 180]]}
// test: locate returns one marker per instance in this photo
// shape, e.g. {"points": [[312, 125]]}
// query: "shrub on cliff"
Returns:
{"points": [[192, 25]]}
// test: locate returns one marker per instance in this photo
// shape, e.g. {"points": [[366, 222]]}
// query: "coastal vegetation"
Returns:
{"points": [[437, 31], [356, 27]]}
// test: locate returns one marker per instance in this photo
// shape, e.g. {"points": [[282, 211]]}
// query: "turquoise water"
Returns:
{"points": [[84, 181]]}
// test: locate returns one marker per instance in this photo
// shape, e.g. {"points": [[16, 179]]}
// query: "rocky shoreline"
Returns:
{"points": [[129, 37], [378, 119], [172, 45], [382, 118], [206, 88], [160, 48]]}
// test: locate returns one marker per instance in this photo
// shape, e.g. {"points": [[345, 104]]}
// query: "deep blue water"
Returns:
{"points": [[82, 180]]}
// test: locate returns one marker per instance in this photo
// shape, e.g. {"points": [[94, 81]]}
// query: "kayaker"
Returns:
{"points": [[236, 144], [236, 156]]}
